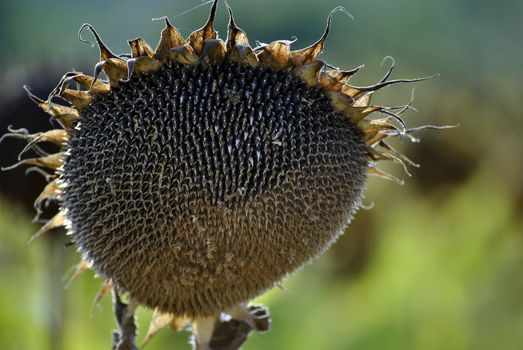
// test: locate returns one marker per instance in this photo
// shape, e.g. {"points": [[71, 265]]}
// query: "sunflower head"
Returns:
{"points": [[198, 175]]}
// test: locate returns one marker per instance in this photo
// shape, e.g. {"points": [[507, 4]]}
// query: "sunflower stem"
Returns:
{"points": [[233, 333], [123, 338]]}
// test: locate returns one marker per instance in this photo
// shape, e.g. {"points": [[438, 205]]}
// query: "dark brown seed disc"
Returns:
{"points": [[198, 187]]}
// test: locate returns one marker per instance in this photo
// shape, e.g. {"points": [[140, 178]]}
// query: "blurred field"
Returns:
{"points": [[435, 264]]}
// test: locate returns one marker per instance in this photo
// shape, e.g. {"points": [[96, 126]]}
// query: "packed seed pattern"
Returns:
{"points": [[197, 187]]}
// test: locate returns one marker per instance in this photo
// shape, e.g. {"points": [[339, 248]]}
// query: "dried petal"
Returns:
{"points": [[214, 50], [142, 65], [56, 221], [80, 99], [105, 53], [50, 191], [244, 54], [380, 173], [53, 161], [139, 48], [275, 55], [198, 37], [235, 36], [309, 72], [184, 54], [114, 68], [81, 267], [170, 38]]}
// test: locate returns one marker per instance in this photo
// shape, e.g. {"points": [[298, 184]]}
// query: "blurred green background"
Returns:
{"points": [[435, 264]]}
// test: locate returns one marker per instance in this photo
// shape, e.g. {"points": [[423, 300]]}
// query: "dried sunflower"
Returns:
{"points": [[201, 173]]}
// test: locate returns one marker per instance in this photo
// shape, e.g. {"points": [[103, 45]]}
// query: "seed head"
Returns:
{"points": [[201, 173]]}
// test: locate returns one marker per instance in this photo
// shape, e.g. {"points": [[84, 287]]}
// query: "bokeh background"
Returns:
{"points": [[436, 263]]}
